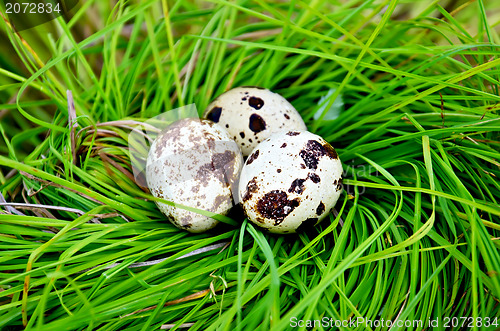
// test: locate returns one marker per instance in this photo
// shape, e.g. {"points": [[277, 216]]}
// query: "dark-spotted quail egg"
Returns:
{"points": [[251, 114], [194, 163], [290, 181]]}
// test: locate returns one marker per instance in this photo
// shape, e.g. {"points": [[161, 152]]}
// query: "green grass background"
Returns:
{"points": [[416, 232]]}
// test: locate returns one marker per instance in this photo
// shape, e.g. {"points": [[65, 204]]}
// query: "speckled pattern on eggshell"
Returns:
{"points": [[251, 114], [194, 163], [290, 181]]}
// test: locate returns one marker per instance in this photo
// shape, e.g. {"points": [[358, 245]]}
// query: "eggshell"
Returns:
{"points": [[291, 181], [194, 163], [251, 114]]}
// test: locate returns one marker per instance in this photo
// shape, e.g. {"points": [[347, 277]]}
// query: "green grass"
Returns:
{"points": [[415, 235]]}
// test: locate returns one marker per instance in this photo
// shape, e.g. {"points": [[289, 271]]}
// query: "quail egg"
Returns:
{"points": [[251, 114], [290, 181], [194, 163]]}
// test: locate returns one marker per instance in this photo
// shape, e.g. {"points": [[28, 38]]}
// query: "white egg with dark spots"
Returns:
{"points": [[251, 114], [194, 163], [290, 182]]}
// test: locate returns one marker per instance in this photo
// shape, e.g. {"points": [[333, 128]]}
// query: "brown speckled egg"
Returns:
{"points": [[251, 114], [290, 181], [193, 163]]}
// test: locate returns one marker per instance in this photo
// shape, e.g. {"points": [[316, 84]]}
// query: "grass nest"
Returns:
{"points": [[407, 93]]}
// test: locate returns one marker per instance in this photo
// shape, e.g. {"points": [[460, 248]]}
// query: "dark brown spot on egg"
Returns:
{"points": [[219, 200], [221, 165], [253, 157], [279, 170], [297, 186], [330, 151], [276, 206], [251, 189], [292, 133], [256, 102], [339, 185], [227, 126], [214, 114], [185, 222], [257, 123], [244, 99], [204, 173], [283, 146], [209, 139], [320, 209], [311, 153], [242, 134], [260, 220], [315, 178], [307, 224], [225, 161], [286, 116]]}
